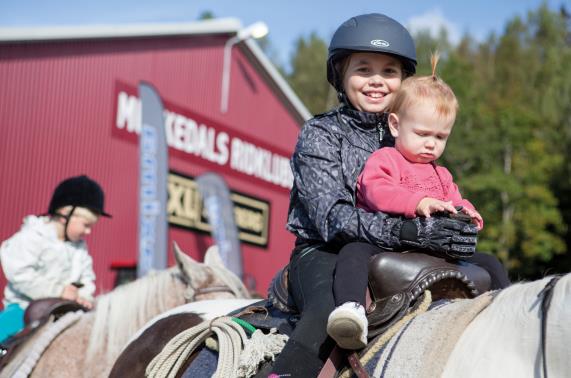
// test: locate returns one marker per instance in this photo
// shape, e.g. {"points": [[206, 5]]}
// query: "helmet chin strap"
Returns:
{"points": [[67, 218], [343, 99]]}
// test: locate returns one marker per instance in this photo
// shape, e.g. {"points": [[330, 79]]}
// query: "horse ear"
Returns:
{"points": [[188, 267], [212, 257]]}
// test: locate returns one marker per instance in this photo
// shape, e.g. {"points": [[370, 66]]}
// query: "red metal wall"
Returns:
{"points": [[57, 114]]}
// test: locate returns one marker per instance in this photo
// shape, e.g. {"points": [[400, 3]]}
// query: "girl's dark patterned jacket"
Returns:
{"points": [[330, 153]]}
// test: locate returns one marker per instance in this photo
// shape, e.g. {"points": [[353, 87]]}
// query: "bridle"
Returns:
{"points": [[545, 296], [191, 293], [211, 289]]}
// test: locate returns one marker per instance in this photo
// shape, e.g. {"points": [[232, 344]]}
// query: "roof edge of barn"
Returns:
{"points": [[104, 31]]}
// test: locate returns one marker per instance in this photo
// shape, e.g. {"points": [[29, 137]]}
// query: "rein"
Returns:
{"points": [[546, 294]]}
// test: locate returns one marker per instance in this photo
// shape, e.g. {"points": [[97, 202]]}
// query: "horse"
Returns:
{"points": [[514, 332], [150, 339], [89, 347]]}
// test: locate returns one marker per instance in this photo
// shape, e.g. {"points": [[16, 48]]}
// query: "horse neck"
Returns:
{"points": [[512, 323], [120, 313]]}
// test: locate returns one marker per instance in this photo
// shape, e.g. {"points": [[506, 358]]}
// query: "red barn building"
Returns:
{"points": [[69, 105]]}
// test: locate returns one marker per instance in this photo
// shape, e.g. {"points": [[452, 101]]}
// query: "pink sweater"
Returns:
{"points": [[392, 184]]}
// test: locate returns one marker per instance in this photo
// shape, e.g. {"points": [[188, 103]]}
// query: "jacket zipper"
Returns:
{"points": [[381, 132]]}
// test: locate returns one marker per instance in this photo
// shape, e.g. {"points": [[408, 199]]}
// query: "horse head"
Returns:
{"points": [[210, 279]]}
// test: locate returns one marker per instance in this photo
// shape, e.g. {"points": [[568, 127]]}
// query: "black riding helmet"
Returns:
{"points": [[79, 191], [372, 32]]}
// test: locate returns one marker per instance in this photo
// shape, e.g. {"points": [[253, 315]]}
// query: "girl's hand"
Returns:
{"points": [[70, 292], [476, 217], [85, 303], [428, 205]]}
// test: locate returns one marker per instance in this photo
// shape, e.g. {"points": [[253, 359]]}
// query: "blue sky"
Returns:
{"points": [[287, 19]]}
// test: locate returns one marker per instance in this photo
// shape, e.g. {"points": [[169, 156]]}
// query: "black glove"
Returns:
{"points": [[442, 236]]}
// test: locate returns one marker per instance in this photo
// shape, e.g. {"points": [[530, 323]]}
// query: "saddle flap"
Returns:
{"points": [[397, 280], [392, 273], [278, 292], [385, 309]]}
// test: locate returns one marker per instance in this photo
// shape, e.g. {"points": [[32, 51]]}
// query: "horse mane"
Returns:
{"points": [[521, 297], [121, 312], [519, 303]]}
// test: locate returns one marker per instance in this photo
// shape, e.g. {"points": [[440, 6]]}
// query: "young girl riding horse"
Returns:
{"points": [[403, 180], [369, 56]]}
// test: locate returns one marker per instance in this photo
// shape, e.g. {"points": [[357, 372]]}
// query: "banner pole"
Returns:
{"points": [[153, 172]]}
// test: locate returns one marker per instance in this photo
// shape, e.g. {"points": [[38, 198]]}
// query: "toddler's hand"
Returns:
{"points": [[428, 205], [70, 292], [476, 217]]}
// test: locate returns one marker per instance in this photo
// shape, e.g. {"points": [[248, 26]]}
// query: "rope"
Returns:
{"points": [[247, 326], [36, 351], [385, 337], [237, 355], [212, 344], [230, 336], [260, 347]]}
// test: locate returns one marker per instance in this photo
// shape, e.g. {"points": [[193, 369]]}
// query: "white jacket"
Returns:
{"points": [[38, 265]]}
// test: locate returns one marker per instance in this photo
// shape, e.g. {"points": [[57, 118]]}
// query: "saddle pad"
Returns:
{"points": [[422, 346], [204, 365], [207, 309], [26, 358], [265, 317]]}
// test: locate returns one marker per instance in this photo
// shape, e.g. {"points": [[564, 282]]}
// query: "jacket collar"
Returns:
{"points": [[361, 119]]}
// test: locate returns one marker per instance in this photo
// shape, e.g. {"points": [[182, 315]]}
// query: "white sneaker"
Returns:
{"points": [[347, 325]]}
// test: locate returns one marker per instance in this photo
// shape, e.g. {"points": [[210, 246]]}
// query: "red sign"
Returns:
{"points": [[189, 133]]}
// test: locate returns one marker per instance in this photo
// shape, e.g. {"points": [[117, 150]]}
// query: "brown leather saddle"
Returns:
{"points": [[397, 280], [36, 315]]}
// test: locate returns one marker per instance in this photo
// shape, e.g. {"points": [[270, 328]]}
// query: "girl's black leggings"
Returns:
{"points": [[311, 282]]}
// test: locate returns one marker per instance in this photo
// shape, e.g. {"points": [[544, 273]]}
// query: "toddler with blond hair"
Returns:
{"points": [[405, 179]]}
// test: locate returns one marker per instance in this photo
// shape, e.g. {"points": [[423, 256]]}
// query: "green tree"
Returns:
{"points": [[511, 120], [206, 15], [511, 138], [554, 43], [308, 76], [426, 45]]}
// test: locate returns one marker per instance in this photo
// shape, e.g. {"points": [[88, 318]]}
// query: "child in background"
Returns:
{"points": [[402, 180], [48, 257]]}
